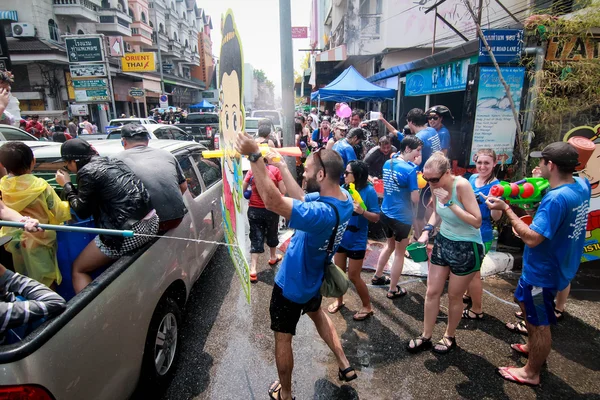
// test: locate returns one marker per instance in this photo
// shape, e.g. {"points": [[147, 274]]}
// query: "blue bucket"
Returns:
{"points": [[70, 245]]}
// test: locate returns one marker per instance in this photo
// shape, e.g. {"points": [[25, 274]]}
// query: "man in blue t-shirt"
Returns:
{"points": [[345, 147], [435, 118], [553, 248], [298, 281]]}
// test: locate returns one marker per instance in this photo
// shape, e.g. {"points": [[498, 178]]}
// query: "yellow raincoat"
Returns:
{"points": [[34, 253]]}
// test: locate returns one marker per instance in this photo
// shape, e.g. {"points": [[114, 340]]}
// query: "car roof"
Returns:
{"points": [[128, 119], [201, 112], [111, 147]]}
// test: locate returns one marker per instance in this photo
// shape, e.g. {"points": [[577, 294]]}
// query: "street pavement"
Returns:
{"points": [[227, 347]]}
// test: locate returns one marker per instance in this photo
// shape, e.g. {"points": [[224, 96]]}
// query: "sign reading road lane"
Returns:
{"points": [[138, 62], [90, 83], [84, 49]]}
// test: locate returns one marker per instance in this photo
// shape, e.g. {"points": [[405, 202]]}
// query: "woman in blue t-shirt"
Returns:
{"points": [[353, 246], [482, 182]]}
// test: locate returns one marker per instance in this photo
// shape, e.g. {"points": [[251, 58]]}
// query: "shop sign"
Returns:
{"points": [[575, 48], [87, 70], [84, 49], [138, 62], [90, 83], [495, 127], [449, 77], [91, 95], [136, 92], [79, 109], [506, 45]]}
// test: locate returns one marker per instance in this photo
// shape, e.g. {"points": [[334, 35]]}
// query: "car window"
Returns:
{"points": [[202, 119], [272, 115], [163, 133], [251, 124], [190, 175], [210, 169], [10, 133], [178, 134], [114, 135]]}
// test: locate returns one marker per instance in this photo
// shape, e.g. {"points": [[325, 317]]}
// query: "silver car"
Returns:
{"points": [[124, 326]]}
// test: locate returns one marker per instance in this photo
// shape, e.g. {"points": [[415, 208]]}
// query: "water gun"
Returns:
{"points": [[524, 193], [421, 182], [356, 197], [264, 149]]}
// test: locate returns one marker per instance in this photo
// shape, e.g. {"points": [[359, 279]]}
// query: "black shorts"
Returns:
{"points": [[263, 224], [352, 254], [463, 258], [424, 198], [285, 314], [394, 228]]}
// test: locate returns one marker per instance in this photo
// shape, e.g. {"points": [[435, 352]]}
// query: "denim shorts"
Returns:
{"points": [[538, 302]]}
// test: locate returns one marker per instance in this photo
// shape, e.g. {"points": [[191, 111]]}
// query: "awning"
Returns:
{"points": [[10, 15]]}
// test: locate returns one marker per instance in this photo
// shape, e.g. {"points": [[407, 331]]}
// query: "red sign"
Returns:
{"points": [[299, 32]]}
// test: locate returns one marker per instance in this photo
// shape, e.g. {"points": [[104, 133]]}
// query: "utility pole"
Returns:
{"points": [[287, 78], [160, 65]]}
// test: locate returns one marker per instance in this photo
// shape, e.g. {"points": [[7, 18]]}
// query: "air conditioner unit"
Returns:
{"points": [[21, 29]]}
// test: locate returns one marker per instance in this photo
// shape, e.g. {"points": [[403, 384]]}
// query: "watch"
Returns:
{"points": [[449, 203], [254, 157]]}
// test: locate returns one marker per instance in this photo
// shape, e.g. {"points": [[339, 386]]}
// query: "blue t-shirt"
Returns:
{"points": [[316, 137], [444, 135], [486, 215], [301, 273], [562, 219], [358, 240], [399, 181], [431, 144], [345, 150]]}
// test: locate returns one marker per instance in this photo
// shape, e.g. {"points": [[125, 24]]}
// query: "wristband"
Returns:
{"points": [[25, 219], [428, 228]]}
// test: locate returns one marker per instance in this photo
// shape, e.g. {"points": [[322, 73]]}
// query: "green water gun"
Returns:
{"points": [[356, 197], [524, 193]]}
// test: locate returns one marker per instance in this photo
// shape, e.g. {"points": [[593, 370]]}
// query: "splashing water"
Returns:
{"points": [[187, 239]]}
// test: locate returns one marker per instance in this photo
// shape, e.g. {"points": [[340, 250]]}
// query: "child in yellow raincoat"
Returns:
{"points": [[34, 253]]}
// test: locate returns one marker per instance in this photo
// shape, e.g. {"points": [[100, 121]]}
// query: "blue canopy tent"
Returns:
{"points": [[205, 105], [349, 86]]}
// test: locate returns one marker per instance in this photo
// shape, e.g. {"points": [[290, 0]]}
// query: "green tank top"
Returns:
{"points": [[452, 227]]}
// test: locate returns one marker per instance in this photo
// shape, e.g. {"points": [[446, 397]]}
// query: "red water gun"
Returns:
{"points": [[524, 193]]}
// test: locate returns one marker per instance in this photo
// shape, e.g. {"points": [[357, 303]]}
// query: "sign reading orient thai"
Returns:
{"points": [[138, 62], [84, 49]]}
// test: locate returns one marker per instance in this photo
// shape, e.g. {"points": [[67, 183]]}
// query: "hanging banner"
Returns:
{"points": [[231, 83], [449, 77], [495, 128], [591, 172]]}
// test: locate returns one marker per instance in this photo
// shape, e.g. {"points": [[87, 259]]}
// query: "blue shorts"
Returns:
{"points": [[538, 302]]}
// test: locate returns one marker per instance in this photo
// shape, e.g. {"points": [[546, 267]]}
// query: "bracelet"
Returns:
{"points": [[428, 228]]}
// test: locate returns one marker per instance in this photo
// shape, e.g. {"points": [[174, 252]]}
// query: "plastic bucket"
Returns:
{"points": [[528, 219], [417, 251], [585, 147]]}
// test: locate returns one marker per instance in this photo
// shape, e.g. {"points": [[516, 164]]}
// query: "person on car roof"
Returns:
{"points": [[108, 190]]}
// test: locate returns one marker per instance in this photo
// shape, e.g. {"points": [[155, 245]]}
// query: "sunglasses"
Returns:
{"points": [[433, 118], [347, 173], [318, 157], [433, 180]]}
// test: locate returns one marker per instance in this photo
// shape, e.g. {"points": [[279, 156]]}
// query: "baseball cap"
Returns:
{"points": [[75, 149], [560, 153], [342, 126], [131, 130]]}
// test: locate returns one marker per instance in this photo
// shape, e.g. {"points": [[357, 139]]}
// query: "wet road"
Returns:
{"points": [[227, 348]]}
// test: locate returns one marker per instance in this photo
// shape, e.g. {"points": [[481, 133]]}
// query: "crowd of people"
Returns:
{"points": [[453, 213]]}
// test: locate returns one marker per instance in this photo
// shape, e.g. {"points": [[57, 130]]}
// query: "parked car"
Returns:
{"points": [[115, 123], [157, 131], [123, 328], [251, 126], [204, 127], [273, 115], [9, 132]]}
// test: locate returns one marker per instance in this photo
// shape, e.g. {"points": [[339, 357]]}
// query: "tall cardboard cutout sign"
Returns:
{"points": [[591, 171], [231, 121]]}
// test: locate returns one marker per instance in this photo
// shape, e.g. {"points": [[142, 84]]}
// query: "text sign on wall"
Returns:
{"points": [[449, 77], [506, 45], [572, 48], [90, 83], [138, 62], [84, 49], [299, 32]]}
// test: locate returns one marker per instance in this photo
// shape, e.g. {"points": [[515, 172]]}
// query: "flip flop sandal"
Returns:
{"points": [[424, 345], [398, 293], [336, 308], [274, 390], [467, 299], [518, 327], [361, 316], [467, 314], [519, 349], [277, 259], [519, 314], [442, 343], [380, 280], [253, 278], [343, 374], [559, 315], [513, 378]]}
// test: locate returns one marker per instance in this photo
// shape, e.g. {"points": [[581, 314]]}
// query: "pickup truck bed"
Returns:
{"points": [[196, 124]]}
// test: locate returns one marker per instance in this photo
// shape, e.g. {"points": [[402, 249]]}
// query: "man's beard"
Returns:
{"points": [[312, 185]]}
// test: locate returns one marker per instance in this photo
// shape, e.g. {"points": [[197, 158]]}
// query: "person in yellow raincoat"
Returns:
{"points": [[34, 253]]}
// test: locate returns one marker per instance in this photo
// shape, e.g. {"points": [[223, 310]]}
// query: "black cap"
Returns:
{"points": [[131, 130], [75, 149], [560, 153]]}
